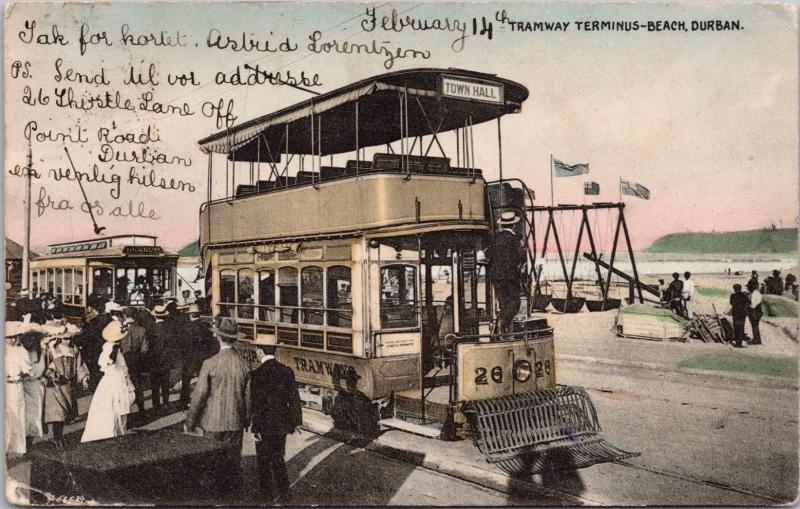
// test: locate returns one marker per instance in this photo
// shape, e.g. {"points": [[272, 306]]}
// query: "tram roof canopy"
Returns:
{"points": [[439, 100]]}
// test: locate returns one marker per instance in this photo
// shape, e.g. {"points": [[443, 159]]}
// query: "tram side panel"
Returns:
{"points": [[359, 371]]}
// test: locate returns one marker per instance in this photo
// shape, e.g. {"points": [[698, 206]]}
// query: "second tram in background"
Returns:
{"points": [[370, 274], [116, 267]]}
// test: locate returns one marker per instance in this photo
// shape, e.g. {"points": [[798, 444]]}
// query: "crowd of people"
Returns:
{"points": [[122, 351], [679, 295], [117, 348]]}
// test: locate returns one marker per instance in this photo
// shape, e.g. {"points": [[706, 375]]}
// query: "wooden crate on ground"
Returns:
{"points": [[647, 322]]}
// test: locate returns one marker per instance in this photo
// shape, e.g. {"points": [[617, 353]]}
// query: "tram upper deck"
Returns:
{"points": [[405, 185]]}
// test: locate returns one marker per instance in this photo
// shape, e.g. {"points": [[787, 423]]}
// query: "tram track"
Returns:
{"points": [[699, 481], [514, 486]]}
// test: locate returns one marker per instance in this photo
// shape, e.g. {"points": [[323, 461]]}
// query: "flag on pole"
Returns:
{"points": [[592, 188], [634, 189], [565, 170]]}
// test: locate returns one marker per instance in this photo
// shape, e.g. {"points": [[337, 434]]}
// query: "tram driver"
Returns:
{"points": [[506, 255]]}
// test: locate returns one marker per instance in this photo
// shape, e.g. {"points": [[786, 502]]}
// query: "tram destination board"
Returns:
{"points": [[143, 250], [472, 90]]}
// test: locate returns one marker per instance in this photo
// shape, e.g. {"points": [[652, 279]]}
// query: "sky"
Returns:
{"points": [[707, 120]]}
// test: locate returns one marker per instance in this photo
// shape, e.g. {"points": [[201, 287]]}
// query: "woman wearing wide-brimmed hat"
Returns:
{"points": [[65, 369], [112, 400]]}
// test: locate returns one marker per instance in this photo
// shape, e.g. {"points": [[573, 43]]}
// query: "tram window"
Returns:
{"points": [[155, 279], [78, 285], [481, 294], [68, 286], [102, 281], [313, 302], [121, 284], [245, 294], [51, 281], [266, 295], [287, 284], [227, 293], [340, 302], [167, 282], [398, 296]]}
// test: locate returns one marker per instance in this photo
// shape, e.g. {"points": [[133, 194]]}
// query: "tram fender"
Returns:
{"points": [[532, 432]]}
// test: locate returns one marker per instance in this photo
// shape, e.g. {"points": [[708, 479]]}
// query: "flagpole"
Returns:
{"points": [[552, 193], [26, 246]]}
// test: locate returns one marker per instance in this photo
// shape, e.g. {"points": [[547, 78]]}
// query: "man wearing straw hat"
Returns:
{"points": [[506, 255], [220, 399], [160, 358]]}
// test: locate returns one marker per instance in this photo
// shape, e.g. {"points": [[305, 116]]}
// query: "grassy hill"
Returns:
{"points": [[782, 240], [190, 249]]}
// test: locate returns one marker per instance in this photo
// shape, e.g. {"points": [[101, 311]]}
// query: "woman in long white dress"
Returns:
{"points": [[111, 402], [33, 386], [18, 368]]}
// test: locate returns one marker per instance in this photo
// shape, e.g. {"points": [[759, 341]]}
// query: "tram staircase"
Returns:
{"points": [[423, 411]]}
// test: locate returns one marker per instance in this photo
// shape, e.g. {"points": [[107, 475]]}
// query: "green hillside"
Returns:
{"points": [[782, 240], [190, 249]]}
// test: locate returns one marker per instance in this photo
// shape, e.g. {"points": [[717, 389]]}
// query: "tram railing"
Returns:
{"points": [[297, 315]]}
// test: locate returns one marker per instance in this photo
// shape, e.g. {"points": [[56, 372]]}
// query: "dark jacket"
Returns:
{"points": [[275, 402], [740, 304], [162, 347], [506, 255], [674, 290]]}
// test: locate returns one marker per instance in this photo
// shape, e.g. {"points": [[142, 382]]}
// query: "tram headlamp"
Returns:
{"points": [[522, 371]]}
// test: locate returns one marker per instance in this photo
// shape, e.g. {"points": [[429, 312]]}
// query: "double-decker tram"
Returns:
{"points": [[347, 236], [129, 269]]}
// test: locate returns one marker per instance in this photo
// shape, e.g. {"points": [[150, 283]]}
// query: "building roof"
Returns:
{"points": [[14, 251], [190, 249]]}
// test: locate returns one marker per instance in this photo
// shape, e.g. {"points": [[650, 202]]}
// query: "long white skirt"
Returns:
{"points": [[34, 403], [109, 408], [15, 418]]}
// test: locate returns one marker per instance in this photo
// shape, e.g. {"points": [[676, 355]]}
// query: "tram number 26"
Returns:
{"points": [[496, 374]]}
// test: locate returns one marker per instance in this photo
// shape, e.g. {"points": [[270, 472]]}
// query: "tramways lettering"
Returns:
{"points": [[319, 367]]}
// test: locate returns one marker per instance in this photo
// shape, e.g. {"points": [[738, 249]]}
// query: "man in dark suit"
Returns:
{"points": [[740, 305], [506, 255], [220, 400], [276, 412]]}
